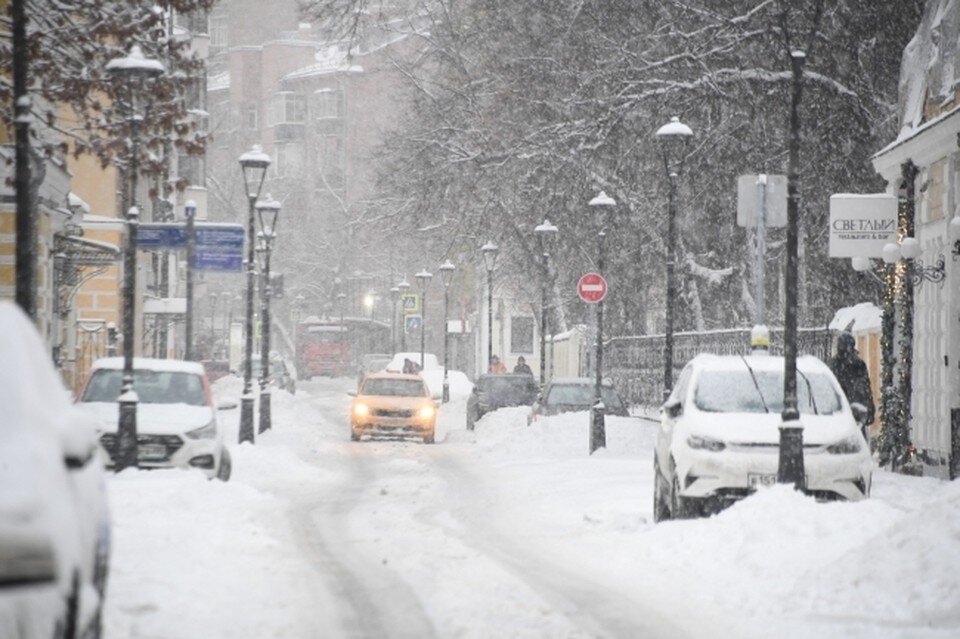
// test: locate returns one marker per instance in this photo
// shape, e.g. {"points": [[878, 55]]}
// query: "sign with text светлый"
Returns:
{"points": [[861, 224]]}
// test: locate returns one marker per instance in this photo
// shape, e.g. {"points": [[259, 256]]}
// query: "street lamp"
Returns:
{"points": [[446, 276], [268, 211], [341, 301], [602, 203], [423, 281], [394, 296], [673, 138], [547, 236], [134, 71], [254, 165], [404, 286], [213, 297], [190, 212], [489, 251]]}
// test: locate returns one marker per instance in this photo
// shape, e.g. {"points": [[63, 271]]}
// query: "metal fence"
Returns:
{"points": [[635, 364]]}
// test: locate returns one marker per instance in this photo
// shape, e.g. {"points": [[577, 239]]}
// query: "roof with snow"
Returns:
{"points": [[860, 319]]}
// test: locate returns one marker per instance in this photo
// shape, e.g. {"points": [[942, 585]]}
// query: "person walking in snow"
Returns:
{"points": [[522, 368], [496, 366], [852, 374]]}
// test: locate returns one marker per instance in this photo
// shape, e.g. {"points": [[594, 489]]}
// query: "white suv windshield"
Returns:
{"points": [[729, 391], [152, 387]]}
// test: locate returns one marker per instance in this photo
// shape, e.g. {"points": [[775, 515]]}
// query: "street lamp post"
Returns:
{"points": [[673, 138], [404, 286], [341, 301], [547, 235], [490, 251], [394, 296], [446, 276], [134, 71], [254, 165], [268, 210], [213, 297], [190, 212], [598, 435], [423, 281]]}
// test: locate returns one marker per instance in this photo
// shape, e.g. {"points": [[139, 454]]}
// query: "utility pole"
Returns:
{"points": [[26, 266]]}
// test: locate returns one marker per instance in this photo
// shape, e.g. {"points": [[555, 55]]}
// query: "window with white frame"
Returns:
{"points": [[327, 103], [218, 29], [250, 114], [330, 162], [288, 108], [288, 160]]}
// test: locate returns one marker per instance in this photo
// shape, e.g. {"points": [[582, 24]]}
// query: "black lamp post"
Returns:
{"points": [[446, 276], [190, 212], [394, 296], [547, 236], [404, 286], [213, 297], [598, 436], [490, 251], [341, 301], [673, 138], [134, 71], [254, 164], [423, 281], [268, 210]]}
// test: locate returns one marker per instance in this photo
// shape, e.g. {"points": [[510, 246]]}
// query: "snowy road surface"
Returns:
{"points": [[508, 531]]}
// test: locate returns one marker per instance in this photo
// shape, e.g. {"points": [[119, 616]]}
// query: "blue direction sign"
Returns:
{"points": [[219, 247]]}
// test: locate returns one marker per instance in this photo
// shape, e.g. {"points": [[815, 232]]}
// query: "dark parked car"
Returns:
{"points": [[497, 391], [571, 394]]}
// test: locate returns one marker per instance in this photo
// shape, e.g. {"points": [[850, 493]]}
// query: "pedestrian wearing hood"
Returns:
{"points": [[852, 374]]}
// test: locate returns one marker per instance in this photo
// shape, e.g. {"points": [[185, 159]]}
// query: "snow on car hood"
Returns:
{"points": [[763, 428], [157, 419]]}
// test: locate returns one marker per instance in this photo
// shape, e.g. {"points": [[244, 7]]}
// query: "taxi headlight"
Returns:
{"points": [[204, 432], [427, 412], [847, 446], [360, 409], [705, 443]]}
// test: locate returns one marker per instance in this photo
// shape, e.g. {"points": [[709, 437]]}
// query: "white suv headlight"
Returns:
{"points": [[698, 442], [204, 432], [846, 446]]}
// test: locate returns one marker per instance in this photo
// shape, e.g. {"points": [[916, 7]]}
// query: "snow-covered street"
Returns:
{"points": [[508, 531]]}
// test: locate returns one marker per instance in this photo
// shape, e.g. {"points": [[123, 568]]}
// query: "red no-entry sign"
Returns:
{"points": [[592, 288]]}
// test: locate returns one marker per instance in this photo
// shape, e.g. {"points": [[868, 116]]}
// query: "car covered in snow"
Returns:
{"points": [[572, 394], [719, 435], [493, 391], [54, 520], [393, 405], [177, 422], [430, 362]]}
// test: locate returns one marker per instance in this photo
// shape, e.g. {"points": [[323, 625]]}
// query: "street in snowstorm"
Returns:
{"points": [[508, 531]]}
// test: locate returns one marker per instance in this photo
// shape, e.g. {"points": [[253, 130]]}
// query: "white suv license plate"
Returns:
{"points": [[152, 452], [755, 480]]}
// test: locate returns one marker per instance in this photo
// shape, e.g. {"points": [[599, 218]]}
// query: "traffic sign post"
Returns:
{"points": [[219, 247], [592, 288]]}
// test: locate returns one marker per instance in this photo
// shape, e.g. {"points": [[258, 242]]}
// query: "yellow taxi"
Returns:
{"points": [[393, 405]]}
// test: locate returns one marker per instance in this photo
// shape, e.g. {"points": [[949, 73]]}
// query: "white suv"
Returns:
{"points": [[177, 424], [719, 435]]}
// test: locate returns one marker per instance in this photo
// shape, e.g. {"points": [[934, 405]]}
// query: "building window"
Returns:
{"points": [[288, 160], [190, 168], [288, 108], [327, 103], [218, 30], [330, 162], [250, 116], [521, 334]]}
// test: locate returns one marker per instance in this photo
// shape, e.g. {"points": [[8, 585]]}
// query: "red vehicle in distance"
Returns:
{"points": [[322, 349]]}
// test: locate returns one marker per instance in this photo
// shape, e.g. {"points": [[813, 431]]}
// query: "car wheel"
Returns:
{"points": [[428, 439], [226, 466], [354, 437], [661, 507], [471, 420], [682, 507]]}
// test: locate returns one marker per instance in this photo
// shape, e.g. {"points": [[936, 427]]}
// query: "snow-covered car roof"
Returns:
{"points": [[429, 360], [707, 361], [151, 364]]}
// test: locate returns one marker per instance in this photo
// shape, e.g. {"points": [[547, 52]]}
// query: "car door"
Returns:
{"points": [[668, 422]]}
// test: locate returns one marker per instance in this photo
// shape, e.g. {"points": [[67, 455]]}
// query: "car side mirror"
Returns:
{"points": [[227, 404], [78, 439], [672, 407], [859, 412]]}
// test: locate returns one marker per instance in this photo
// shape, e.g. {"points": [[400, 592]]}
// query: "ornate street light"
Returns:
{"points": [[268, 211], [489, 251], [547, 236], [446, 276], [253, 164], [673, 138], [404, 286], [423, 281], [134, 71], [604, 205]]}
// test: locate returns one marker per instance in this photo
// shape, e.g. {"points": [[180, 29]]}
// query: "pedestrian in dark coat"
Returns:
{"points": [[522, 368], [852, 374]]}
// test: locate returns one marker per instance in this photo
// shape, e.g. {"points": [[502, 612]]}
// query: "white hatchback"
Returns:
{"points": [[719, 435], [177, 424]]}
